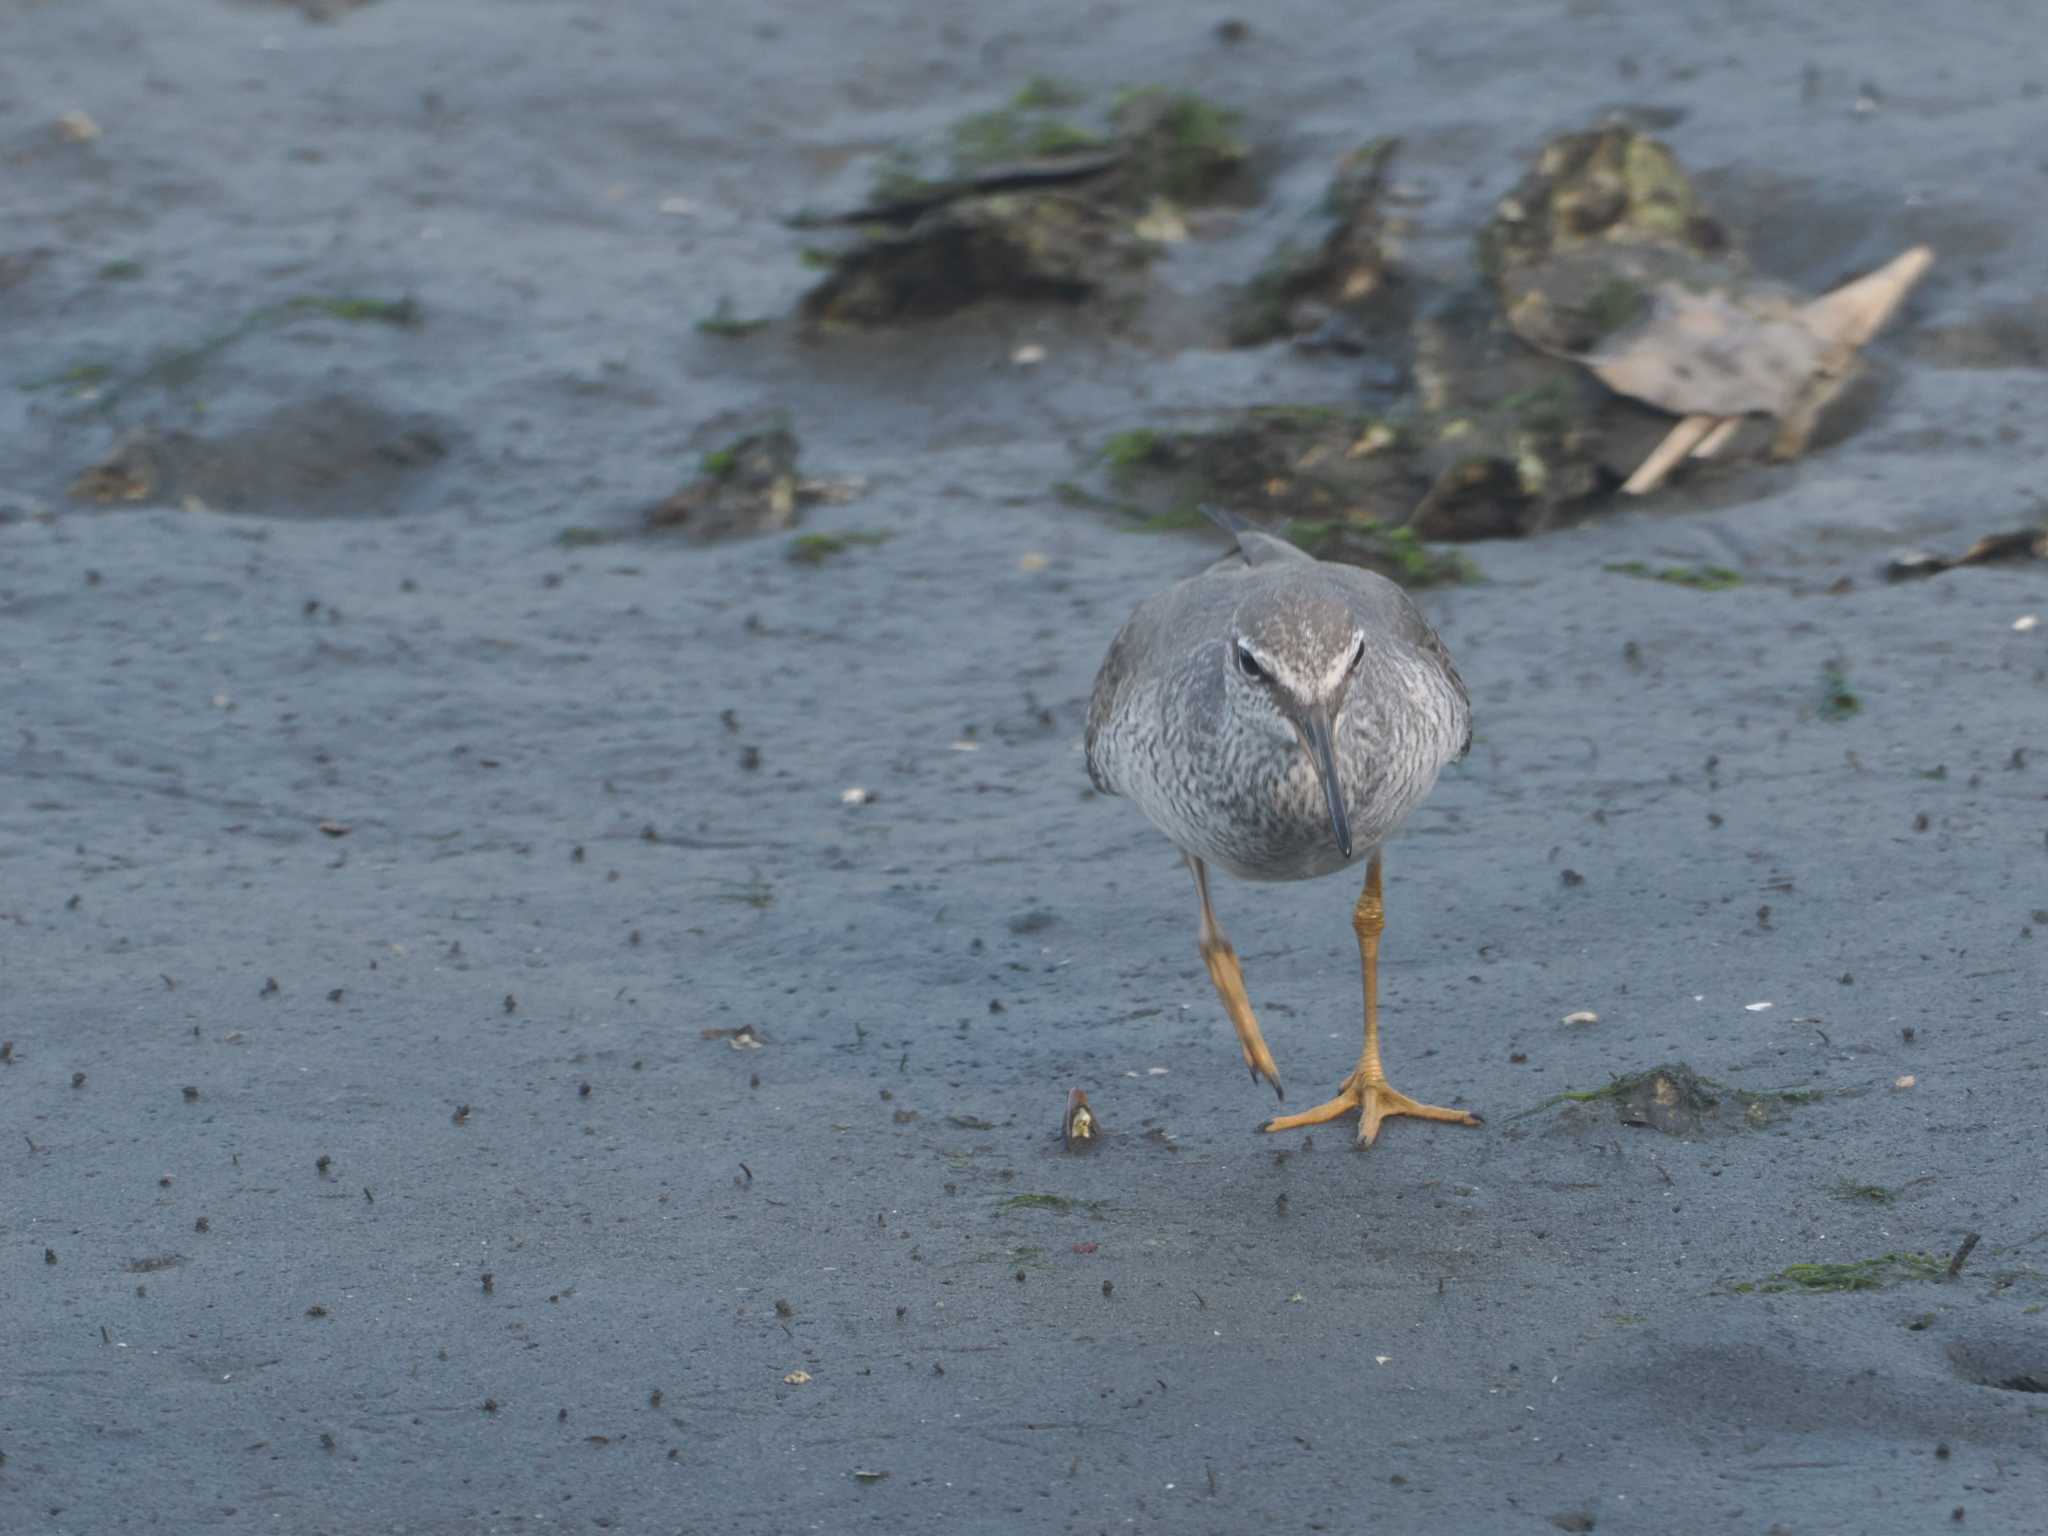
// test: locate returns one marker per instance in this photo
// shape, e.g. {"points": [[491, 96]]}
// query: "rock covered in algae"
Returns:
{"points": [[1612, 185], [1308, 463], [1177, 146], [1013, 245], [1339, 483], [1601, 223], [1027, 203], [1507, 439], [748, 485]]}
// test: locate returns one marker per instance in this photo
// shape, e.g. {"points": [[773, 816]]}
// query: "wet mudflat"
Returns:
{"points": [[517, 1019]]}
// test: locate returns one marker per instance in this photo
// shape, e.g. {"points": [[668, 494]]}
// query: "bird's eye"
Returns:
{"points": [[1248, 666], [1358, 656]]}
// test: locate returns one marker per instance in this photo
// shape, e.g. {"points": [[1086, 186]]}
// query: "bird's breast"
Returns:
{"points": [[1250, 802]]}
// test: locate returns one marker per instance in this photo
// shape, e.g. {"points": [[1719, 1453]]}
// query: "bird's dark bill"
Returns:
{"points": [[1323, 750]]}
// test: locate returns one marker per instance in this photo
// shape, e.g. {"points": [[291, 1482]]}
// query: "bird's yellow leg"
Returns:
{"points": [[1366, 1089], [1228, 978]]}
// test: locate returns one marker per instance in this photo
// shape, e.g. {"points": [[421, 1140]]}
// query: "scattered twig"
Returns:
{"points": [[1682, 439]]}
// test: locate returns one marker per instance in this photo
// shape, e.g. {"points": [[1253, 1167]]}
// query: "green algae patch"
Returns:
{"points": [[1877, 1274], [1047, 93], [1699, 578], [359, 309], [1060, 1203], [1125, 453], [1179, 145], [1838, 701], [817, 548], [1014, 133]]}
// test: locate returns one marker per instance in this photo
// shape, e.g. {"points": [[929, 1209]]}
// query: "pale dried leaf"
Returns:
{"points": [[1713, 354]]}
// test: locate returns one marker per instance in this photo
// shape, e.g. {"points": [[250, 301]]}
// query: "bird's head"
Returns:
{"points": [[1292, 657]]}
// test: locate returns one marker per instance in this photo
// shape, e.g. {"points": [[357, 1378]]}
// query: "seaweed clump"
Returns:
{"points": [[1027, 204], [1304, 463], [1675, 1100], [745, 485], [1337, 482], [1509, 440], [1886, 1270]]}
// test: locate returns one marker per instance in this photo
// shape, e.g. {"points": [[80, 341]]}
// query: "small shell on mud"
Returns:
{"points": [[1079, 1128]]}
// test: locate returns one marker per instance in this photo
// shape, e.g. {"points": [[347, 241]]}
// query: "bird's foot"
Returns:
{"points": [[1229, 979], [1375, 1101], [1262, 1065]]}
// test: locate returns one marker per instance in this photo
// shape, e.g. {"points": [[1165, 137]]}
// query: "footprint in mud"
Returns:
{"points": [[336, 456]]}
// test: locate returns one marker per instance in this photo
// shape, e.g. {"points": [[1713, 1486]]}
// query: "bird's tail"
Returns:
{"points": [[1224, 518], [1254, 545]]}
